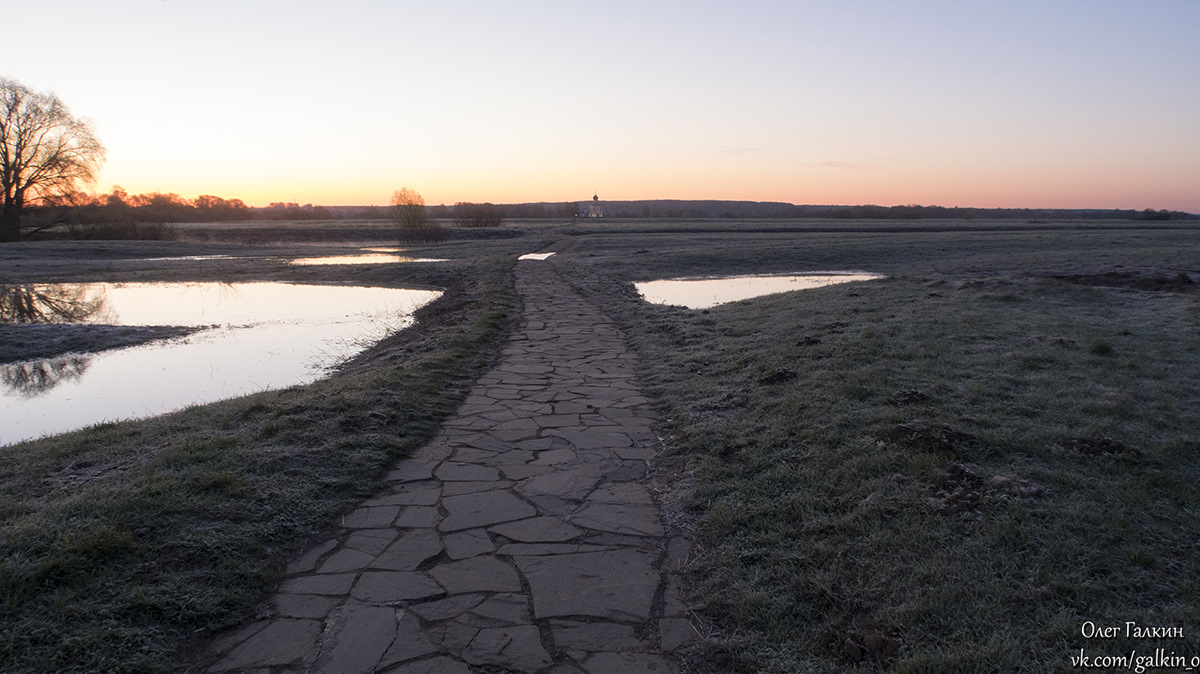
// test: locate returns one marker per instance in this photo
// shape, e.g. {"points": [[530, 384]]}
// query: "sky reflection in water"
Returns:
{"points": [[706, 293], [364, 258], [264, 336]]}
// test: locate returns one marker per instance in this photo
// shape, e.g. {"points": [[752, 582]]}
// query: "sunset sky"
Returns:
{"points": [[1023, 103]]}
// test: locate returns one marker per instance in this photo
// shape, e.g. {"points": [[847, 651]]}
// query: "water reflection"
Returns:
{"points": [[263, 336], [362, 258], [36, 377], [53, 303], [187, 258], [706, 293]]}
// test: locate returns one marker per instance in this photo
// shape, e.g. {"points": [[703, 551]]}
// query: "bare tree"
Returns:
{"points": [[408, 211], [44, 151]]}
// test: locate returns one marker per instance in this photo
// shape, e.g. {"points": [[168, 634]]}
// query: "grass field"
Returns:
{"points": [[956, 468]]}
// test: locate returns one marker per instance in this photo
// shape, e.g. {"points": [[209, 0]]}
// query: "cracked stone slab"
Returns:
{"points": [[511, 458], [458, 488], [530, 549], [410, 642], [545, 444], [409, 551], [510, 608], [333, 584], [415, 517], [522, 471], [456, 637], [552, 457], [371, 541], [464, 544], [486, 442], [371, 517], [586, 438], [345, 560], [620, 518], [466, 472], [380, 587], [426, 495], [516, 648], [450, 607], [468, 511], [618, 585], [477, 574], [625, 492], [568, 484], [537, 530], [571, 635], [552, 505], [628, 663], [304, 605], [356, 638], [438, 665]]}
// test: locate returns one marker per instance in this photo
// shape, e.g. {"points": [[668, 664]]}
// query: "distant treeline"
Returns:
{"points": [[675, 209], [120, 207], [157, 207]]}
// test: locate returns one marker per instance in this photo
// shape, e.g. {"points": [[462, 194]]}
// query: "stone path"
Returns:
{"points": [[522, 539]]}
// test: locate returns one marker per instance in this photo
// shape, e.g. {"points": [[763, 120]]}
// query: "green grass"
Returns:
{"points": [[922, 478], [123, 544]]}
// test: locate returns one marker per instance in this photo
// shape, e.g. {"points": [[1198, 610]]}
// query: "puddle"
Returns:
{"points": [[706, 293], [187, 258], [362, 258], [262, 336], [535, 256]]}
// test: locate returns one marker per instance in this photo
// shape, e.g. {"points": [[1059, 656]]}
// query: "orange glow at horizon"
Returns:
{"points": [[1013, 192], [1020, 104], [999, 182]]}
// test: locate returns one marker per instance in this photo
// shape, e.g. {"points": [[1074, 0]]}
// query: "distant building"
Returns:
{"points": [[594, 210]]}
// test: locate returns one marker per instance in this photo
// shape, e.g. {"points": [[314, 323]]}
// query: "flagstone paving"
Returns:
{"points": [[523, 538]]}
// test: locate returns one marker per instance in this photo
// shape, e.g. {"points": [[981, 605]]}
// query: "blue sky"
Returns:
{"points": [[1039, 104]]}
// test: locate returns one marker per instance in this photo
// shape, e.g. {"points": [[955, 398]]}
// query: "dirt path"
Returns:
{"points": [[523, 538]]}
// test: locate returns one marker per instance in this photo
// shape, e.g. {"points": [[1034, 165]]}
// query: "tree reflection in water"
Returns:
{"points": [[54, 303], [35, 377], [27, 303]]}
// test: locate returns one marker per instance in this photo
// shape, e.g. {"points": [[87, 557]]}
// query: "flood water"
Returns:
{"points": [[262, 336], [362, 258], [710, 292]]}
